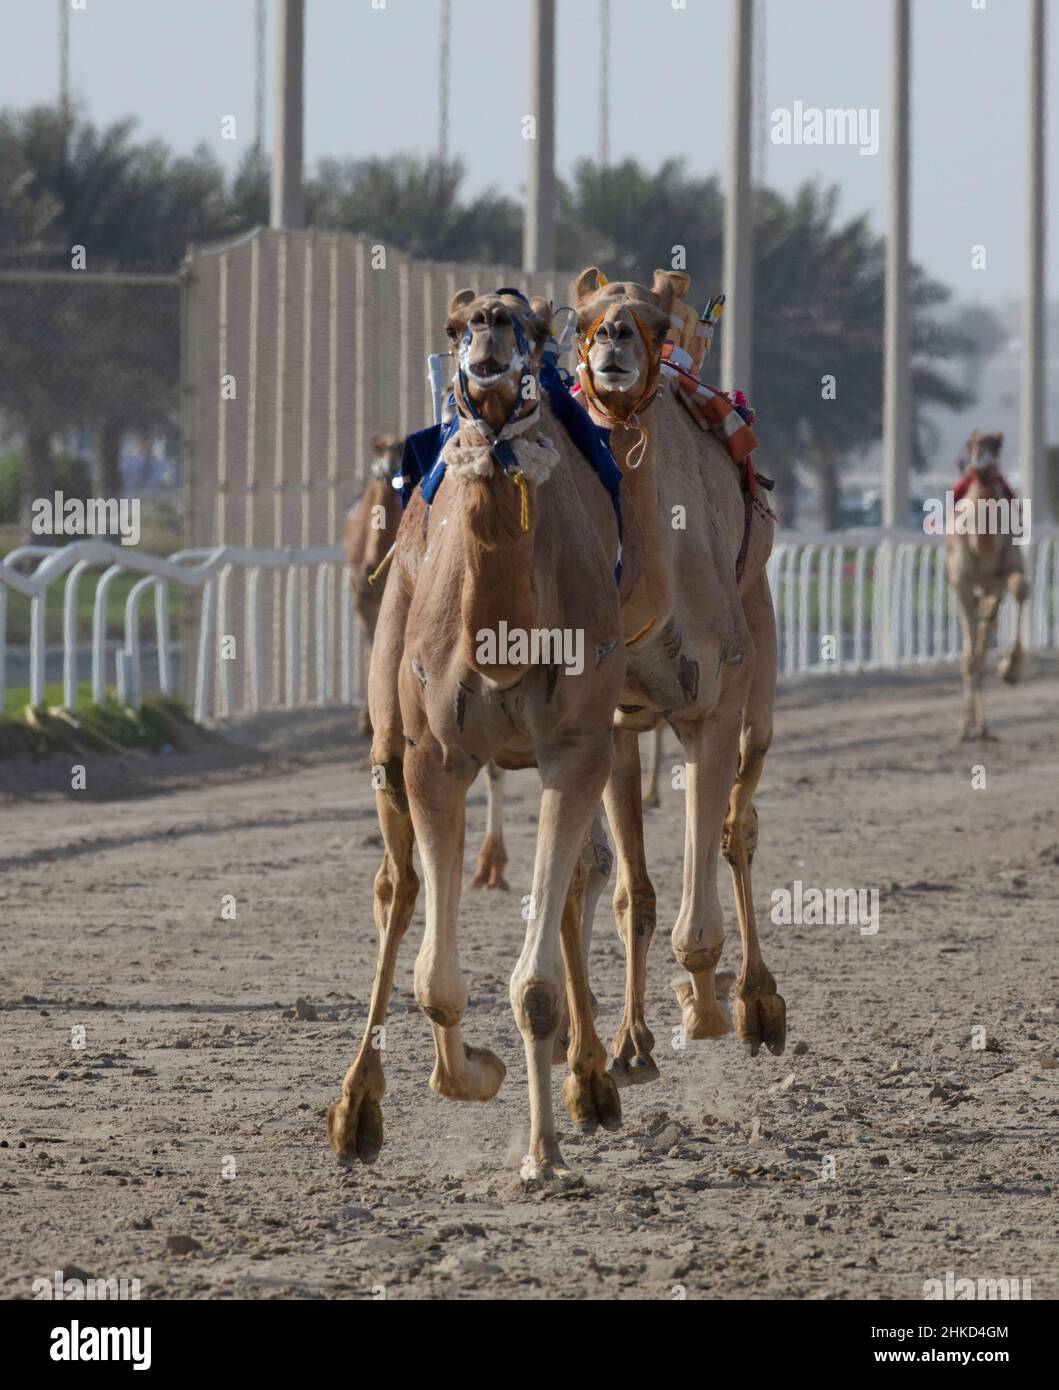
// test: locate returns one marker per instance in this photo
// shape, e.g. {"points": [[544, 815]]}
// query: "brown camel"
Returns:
{"points": [[369, 531], [701, 654], [525, 550], [983, 563]]}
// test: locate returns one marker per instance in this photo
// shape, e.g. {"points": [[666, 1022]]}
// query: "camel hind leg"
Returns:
{"points": [[760, 1013], [492, 857], [1010, 667]]}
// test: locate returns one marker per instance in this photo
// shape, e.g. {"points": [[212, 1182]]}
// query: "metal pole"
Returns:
{"points": [[64, 58], [443, 83], [538, 240], [897, 384], [259, 75], [1034, 398], [288, 196], [738, 208], [604, 84]]}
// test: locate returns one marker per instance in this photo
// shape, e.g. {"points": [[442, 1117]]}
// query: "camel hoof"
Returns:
{"points": [[489, 871], [702, 1021], [592, 1100], [354, 1128], [632, 1071], [482, 1079], [1010, 669], [538, 1174], [761, 1017]]}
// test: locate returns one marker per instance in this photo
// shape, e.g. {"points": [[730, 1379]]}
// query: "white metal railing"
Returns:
{"points": [[884, 600], [303, 647]]}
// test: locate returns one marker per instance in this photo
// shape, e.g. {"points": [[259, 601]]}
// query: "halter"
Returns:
{"points": [[631, 419], [499, 440]]}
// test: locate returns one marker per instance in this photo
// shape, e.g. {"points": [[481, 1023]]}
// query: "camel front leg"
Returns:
{"points": [[354, 1123], [967, 612], [492, 857], [760, 1013], [596, 861], [1010, 667], [436, 796], [711, 749], [590, 1096], [573, 770], [634, 911]]}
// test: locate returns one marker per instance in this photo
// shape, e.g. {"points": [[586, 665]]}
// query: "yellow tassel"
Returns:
{"points": [[384, 564], [523, 488]]}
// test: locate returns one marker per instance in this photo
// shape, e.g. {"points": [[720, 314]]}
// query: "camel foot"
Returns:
{"points": [[489, 871], [761, 1016], [591, 1099], [632, 1071], [354, 1128], [632, 1063], [364, 723], [1010, 668], [539, 1174], [481, 1078], [708, 1014]]}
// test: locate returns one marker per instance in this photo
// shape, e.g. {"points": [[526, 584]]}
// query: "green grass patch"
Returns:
{"points": [[162, 721]]}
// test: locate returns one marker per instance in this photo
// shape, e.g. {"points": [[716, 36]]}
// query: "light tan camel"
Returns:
{"points": [[983, 563], [701, 654], [651, 797], [370, 530], [500, 554]]}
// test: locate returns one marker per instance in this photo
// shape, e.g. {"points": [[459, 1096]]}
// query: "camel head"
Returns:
{"points": [[984, 452], [386, 464], [621, 329], [498, 339]]}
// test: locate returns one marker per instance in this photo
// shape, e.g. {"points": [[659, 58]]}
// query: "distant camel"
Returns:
{"points": [[983, 563]]}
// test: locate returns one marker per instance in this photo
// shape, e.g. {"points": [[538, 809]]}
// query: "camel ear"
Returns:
{"points": [[586, 284], [541, 323], [662, 288], [461, 300], [680, 280]]}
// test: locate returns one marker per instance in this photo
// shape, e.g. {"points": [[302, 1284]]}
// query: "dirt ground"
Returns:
{"points": [[882, 1150]]}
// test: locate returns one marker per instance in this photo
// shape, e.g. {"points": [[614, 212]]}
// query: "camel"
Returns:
{"points": [[370, 530], [651, 798], [983, 563], [701, 649], [520, 538]]}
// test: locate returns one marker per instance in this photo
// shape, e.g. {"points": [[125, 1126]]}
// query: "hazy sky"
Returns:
{"points": [[181, 65]]}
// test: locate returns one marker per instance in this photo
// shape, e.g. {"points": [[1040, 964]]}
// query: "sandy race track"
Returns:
{"points": [[183, 1144]]}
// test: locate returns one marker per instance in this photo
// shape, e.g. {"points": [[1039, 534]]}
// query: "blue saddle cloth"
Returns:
{"points": [[422, 465]]}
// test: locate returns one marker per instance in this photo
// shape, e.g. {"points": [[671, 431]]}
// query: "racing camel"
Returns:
{"points": [[983, 563], [519, 538], [701, 655]]}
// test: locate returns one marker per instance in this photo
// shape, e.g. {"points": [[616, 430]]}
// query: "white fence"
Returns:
{"points": [[304, 650], [884, 602]]}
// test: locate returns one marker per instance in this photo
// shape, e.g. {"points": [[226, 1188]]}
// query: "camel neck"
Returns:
{"points": [[498, 581]]}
